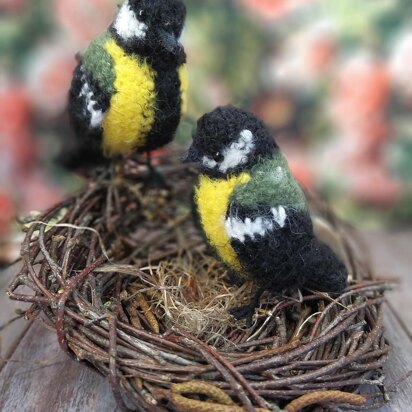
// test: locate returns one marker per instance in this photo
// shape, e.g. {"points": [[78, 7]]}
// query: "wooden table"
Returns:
{"points": [[37, 376]]}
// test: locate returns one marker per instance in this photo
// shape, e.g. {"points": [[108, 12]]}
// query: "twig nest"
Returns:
{"points": [[126, 280]]}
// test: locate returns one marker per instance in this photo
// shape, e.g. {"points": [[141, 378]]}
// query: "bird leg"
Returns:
{"points": [[154, 176], [149, 161], [119, 171], [233, 279], [247, 311]]}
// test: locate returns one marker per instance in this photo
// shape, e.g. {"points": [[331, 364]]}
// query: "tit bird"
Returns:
{"points": [[129, 88], [253, 212]]}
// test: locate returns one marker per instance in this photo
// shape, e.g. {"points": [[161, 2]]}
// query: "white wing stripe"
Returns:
{"points": [[96, 116], [239, 229], [279, 215]]}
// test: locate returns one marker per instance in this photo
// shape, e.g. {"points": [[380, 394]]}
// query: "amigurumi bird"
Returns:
{"points": [[253, 212], [128, 90]]}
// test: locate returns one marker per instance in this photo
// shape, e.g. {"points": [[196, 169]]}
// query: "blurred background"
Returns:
{"points": [[333, 79]]}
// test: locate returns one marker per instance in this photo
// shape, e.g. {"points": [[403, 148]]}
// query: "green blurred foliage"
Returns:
{"points": [[21, 31], [227, 49]]}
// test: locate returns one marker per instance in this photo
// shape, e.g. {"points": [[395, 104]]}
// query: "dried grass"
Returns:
{"points": [[154, 318]]}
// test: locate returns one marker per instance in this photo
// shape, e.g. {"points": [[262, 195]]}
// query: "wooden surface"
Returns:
{"points": [[36, 376]]}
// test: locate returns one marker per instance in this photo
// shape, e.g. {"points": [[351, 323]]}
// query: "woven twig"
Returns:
{"points": [[117, 268]]}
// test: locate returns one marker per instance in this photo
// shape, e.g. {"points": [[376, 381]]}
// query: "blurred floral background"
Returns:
{"points": [[333, 79]]}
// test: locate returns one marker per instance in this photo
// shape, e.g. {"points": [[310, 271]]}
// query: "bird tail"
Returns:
{"points": [[81, 157], [325, 272]]}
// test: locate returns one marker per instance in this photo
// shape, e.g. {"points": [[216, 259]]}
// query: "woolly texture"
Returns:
{"points": [[164, 24], [128, 92], [217, 131], [288, 257], [132, 112], [97, 60], [127, 24], [168, 108], [212, 198], [88, 149], [272, 184], [255, 215]]}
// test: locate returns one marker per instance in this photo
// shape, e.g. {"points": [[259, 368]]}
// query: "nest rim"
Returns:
{"points": [[331, 351]]}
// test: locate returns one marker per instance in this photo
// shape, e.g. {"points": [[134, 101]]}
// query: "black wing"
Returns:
{"points": [[278, 249], [88, 104]]}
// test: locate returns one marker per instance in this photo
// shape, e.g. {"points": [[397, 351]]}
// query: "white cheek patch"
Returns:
{"points": [[240, 229], [237, 153], [208, 162], [96, 115], [127, 25]]}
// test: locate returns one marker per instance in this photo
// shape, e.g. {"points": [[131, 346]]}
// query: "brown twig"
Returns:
{"points": [[163, 279]]}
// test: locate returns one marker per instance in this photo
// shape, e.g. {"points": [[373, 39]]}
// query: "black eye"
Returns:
{"points": [[218, 157], [142, 13]]}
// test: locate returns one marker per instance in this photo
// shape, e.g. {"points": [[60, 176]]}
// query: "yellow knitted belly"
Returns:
{"points": [[132, 107], [212, 198]]}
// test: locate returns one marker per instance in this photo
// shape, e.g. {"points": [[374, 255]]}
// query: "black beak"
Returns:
{"points": [[191, 156], [168, 40]]}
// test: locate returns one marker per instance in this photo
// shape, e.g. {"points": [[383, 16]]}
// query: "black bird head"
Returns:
{"points": [[229, 141], [150, 26]]}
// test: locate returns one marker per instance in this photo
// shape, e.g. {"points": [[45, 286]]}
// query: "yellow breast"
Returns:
{"points": [[212, 198], [132, 108]]}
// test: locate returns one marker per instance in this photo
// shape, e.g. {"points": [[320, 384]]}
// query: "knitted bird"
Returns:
{"points": [[128, 90], [253, 212]]}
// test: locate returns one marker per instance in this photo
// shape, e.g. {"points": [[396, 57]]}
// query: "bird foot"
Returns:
{"points": [[156, 179], [242, 312], [233, 279]]}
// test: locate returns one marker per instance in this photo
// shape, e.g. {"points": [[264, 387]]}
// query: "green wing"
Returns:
{"points": [[271, 184], [99, 64]]}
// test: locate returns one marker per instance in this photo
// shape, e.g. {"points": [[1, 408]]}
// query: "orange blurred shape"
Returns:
{"points": [[375, 130], [84, 20], [321, 54], [14, 109], [302, 171], [37, 192], [373, 185], [15, 114], [7, 212], [157, 155], [362, 88], [276, 109], [272, 9]]}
